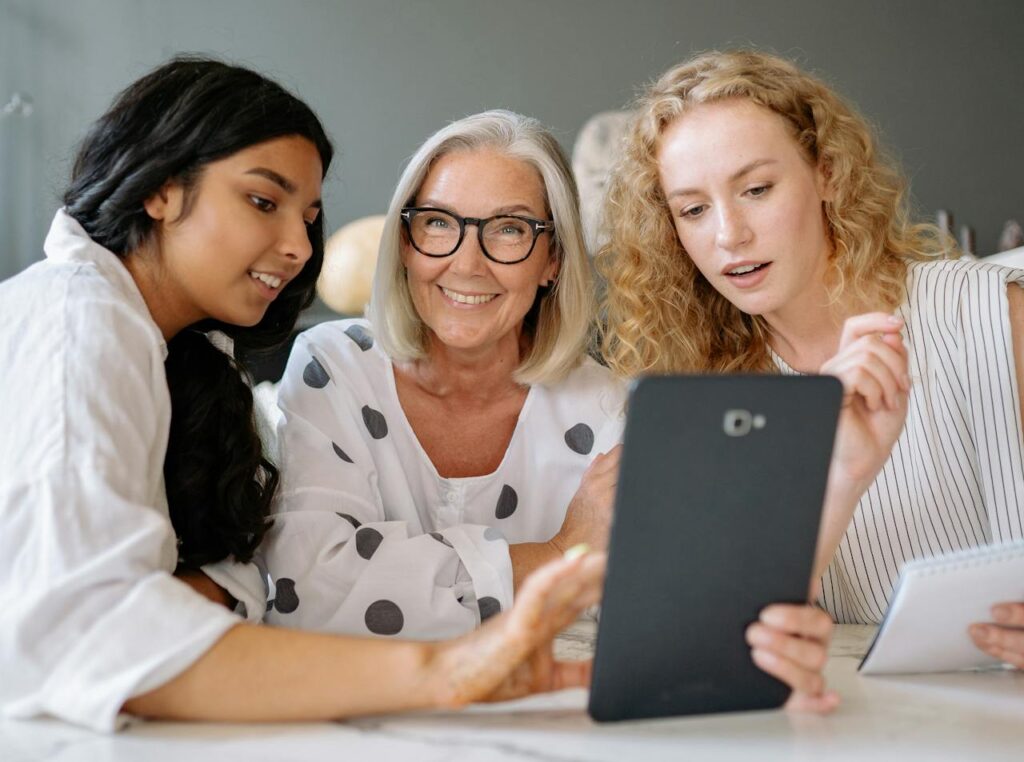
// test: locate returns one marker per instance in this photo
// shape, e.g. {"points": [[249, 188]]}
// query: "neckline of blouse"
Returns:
{"points": [[455, 480], [787, 369]]}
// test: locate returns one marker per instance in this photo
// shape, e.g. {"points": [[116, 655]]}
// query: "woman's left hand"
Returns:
{"points": [[790, 642], [1005, 639]]}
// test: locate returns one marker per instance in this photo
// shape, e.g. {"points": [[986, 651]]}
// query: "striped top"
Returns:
{"points": [[955, 478]]}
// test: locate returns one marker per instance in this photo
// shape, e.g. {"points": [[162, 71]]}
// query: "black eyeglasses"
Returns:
{"points": [[505, 238]]}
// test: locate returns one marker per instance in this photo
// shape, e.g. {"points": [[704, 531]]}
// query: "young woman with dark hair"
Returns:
{"points": [[130, 467], [169, 126]]}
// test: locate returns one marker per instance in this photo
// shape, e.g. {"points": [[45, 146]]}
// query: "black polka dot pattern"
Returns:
{"points": [[384, 618], [375, 423], [488, 607], [287, 600], [440, 538], [341, 453], [507, 502], [351, 520], [314, 375], [580, 438], [367, 542], [493, 534], [360, 336]]}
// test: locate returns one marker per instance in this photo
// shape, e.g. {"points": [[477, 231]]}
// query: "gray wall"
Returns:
{"points": [[943, 79]]}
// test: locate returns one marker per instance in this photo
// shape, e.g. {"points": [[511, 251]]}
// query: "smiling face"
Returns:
{"points": [[746, 204], [466, 300], [244, 236]]}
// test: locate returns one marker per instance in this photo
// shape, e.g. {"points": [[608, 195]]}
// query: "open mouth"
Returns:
{"points": [[737, 272], [461, 298], [271, 281]]}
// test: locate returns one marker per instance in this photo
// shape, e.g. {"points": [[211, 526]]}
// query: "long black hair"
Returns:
{"points": [[168, 126]]}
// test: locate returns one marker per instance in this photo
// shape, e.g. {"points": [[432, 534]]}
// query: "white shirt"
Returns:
{"points": [[91, 614], [955, 478], [370, 539]]}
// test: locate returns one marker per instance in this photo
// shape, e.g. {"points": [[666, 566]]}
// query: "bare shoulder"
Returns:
{"points": [[1015, 296], [1015, 300]]}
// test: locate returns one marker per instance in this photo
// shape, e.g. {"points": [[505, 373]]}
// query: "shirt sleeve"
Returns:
{"points": [[244, 583], [341, 561], [92, 614]]}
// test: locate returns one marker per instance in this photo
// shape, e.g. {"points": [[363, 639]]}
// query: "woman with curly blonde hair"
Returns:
{"points": [[755, 227]]}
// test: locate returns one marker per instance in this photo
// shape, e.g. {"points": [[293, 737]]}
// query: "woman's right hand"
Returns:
{"points": [[589, 515], [511, 655], [872, 365]]}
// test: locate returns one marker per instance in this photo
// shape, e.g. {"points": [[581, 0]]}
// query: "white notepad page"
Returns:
{"points": [[936, 600]]}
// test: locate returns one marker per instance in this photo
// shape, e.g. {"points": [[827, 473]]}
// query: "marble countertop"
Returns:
{"points": [[975, 716]]}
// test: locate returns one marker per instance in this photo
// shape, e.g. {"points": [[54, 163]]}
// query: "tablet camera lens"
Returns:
{"points": [[737, 423]]}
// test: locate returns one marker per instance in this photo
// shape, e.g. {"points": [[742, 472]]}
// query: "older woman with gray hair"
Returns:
{"points": [[435, 454]]}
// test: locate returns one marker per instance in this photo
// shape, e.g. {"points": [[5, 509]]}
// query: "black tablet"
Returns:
{"points": [[716, 515]]}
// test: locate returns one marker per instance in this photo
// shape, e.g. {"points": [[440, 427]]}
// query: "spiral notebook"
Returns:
{"points": [[935, 601]]}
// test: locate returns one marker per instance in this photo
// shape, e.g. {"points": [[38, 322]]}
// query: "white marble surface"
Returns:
{"points": [[977, 716]]}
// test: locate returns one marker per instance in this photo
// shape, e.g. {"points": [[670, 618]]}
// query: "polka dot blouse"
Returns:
{"points": [[368, 538]]}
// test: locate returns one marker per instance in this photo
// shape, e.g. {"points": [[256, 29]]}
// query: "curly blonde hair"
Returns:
{"points": [[660, 314]]}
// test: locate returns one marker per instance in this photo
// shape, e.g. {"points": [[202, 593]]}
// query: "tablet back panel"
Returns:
{"points": [[716, 515]]}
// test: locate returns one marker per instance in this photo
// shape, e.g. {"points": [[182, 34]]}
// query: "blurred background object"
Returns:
{"points": [[593, 156], [967, 243], [19, 104], [1011, 246], [1012, 236], [350, 256]]}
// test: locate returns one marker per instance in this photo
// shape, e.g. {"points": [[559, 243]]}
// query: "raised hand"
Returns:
{"points": [[510, 656], [872, 365], [588, 517]]}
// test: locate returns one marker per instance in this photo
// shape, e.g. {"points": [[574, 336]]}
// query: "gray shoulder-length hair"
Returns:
{"points": [[564, 313]]}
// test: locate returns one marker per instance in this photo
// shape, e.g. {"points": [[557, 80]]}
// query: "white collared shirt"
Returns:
{"points": [[90, 614]]}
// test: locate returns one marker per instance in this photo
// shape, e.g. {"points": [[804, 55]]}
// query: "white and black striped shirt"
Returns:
{"points": [[955, 478]]}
